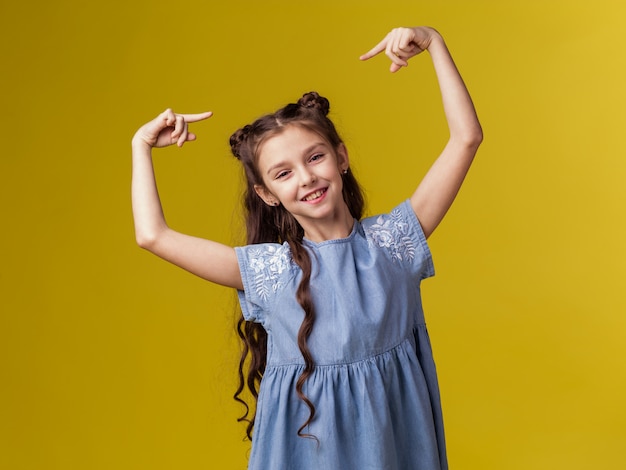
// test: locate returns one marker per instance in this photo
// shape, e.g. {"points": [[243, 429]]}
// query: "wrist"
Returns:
{"points": [[435, 42], [433, 37], [139, 143]]}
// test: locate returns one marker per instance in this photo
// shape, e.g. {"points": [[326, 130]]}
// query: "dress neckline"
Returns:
{"points": [[356, 224]]}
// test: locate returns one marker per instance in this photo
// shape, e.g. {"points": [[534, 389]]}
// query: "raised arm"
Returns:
{"points": [[210, 260], [437, 190]]}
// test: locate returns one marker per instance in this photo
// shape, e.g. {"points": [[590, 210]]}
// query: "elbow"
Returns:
{"points": [[474, 137], [146, 240], [479, 136], [467, 138]]}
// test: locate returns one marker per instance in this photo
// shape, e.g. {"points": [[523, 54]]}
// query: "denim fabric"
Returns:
{"points": [[374, 385]]}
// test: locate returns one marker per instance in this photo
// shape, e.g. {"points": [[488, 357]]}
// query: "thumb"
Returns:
{"points": [[393, 68]]}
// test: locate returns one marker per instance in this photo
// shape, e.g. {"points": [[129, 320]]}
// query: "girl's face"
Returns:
{"points": [[302, 171]]}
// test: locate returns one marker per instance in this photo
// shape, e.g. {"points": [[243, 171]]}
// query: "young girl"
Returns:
{"points": [[333, 328]]}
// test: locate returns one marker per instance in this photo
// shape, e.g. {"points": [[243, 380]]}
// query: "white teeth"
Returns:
{"points": [[315, 195]]}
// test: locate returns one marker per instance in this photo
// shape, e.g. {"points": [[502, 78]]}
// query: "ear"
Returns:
{"points": [[343, 162], [264, 194]]}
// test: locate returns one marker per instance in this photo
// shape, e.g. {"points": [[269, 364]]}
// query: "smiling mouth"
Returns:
{"points": [[315, 195]]}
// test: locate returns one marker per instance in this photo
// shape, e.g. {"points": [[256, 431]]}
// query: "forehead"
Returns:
{"points": [[292, 142]]}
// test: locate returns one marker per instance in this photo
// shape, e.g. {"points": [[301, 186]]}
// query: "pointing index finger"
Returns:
{"points": [[196, 117], [377, 49]]}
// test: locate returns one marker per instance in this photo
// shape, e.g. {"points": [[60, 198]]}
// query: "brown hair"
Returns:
{"points": [[265, 224]]}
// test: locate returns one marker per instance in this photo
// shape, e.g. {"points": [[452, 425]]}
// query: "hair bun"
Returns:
{"points": [[237, 139], [314, 100]]}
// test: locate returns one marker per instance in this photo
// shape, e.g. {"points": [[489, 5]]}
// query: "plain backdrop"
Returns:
{"points": [[112, 359]]}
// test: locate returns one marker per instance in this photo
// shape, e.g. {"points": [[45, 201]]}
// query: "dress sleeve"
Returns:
{"points": [[400, 234], [265, 269]]}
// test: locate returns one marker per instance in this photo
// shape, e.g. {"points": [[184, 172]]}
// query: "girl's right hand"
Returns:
{"points": [[168, 128]]}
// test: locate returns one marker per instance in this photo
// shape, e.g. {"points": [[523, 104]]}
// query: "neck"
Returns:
{"points": [[338, 226]]}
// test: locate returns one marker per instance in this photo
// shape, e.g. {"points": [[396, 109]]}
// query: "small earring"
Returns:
{"points": [[275, 203], [345, 172]]}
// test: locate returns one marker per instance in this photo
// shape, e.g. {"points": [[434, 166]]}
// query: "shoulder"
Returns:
{"points": [[265, 256], [265, 266], [398, 234], [392, 228], [267, 269]]}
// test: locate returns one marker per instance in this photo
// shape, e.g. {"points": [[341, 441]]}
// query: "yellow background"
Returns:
{"points": [[112, 359]]}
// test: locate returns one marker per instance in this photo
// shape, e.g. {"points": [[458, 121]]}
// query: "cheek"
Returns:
{"points": [[278, 190]]}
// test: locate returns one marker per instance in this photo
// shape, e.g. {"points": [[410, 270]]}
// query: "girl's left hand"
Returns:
{"points": [[401, 44]]}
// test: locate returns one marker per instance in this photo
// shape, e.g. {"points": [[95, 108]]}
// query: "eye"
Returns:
{"points": [[316, 157], [282, 174]]}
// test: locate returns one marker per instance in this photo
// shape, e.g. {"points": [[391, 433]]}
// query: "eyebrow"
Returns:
{"points": [[304, 152]]}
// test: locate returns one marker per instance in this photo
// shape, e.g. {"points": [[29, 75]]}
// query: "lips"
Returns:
{"points": [[314, 195]]}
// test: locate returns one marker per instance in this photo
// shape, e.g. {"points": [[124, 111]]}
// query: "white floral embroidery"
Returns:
{"points": [[268, 263], [392, 232]]}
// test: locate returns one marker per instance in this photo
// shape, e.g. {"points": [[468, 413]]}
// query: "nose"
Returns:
{"points": [[307, 177]]}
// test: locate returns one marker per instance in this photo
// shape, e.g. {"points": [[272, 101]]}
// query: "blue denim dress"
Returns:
{"points": [[374, 385]]}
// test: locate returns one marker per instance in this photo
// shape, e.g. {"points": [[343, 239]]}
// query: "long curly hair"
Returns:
{"points": [[266, 224]]}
